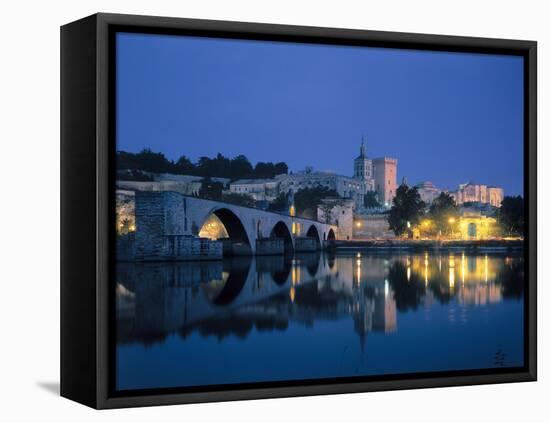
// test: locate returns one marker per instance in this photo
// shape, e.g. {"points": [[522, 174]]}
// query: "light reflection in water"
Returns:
{"points": [[263, 299]]}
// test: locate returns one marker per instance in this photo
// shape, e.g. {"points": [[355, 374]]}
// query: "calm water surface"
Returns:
{"points": [[316, 316]]}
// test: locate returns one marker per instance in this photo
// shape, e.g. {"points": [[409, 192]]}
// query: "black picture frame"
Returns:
{"points": [[87, 207]]}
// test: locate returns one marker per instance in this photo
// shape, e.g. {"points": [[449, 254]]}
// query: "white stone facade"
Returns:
{"points": [[478, 193], [259, 189], [428, 191], [345, 186]]}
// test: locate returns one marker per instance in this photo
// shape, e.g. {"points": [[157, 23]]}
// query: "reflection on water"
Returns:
{"points": [[316, 316]]}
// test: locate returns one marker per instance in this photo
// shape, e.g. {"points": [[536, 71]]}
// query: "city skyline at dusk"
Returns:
{"points": [[447, 117], [328, 262]]}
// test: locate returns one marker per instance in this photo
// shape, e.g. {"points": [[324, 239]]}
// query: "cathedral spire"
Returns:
{"points": [[363, 149]]}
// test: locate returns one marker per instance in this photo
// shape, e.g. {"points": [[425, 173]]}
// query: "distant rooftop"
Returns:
{"points": [[252, 181]]}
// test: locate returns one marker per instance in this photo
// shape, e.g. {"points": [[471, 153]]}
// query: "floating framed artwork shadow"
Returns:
{"points": [[256, 211]]}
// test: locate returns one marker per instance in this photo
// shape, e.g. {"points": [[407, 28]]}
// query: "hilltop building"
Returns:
{"points": [[368, 175], [362, 165], [259, 189], [428, 191], [477, 193]]}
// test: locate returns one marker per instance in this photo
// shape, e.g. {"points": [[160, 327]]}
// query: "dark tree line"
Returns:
{"points": [[213, 190], [220, 166], [511, 215], [307, 200]]}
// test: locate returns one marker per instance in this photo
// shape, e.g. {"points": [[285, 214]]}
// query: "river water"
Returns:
{"points": [[315, 316]]}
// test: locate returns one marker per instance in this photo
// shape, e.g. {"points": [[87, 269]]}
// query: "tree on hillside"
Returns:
{"points": [[146, 160], [280, 203], [444, 213], [406, 210], [240, 167], [269, 170], [210, 189], [219, 166], [306, 200], [184, 166], [511, 215], [245, 200], [371, 200]]}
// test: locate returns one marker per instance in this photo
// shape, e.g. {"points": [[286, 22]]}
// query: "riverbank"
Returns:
{"points": [[480, 246]]}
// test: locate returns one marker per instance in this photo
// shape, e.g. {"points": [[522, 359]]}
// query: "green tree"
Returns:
{"points": [[511, 215], [444, 213], [306, 200], [269, 170], [240, 167], [184, 166], [371, 200], [210, 189], [239, 199], [407, 209], [146, 160], [280, 203], [218, 166]]}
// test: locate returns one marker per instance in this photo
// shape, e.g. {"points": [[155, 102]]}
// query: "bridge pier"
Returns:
{"points": [[270, 246], [306, 244]]}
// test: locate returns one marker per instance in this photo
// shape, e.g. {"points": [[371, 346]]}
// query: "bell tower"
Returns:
{"points": [[362, 165]]}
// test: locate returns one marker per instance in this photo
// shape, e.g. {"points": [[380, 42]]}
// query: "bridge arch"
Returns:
{"points": [[224, 292], [312, 262], [312, 232], [280, 230], [281, 273], [331, 235], [234, 228]]}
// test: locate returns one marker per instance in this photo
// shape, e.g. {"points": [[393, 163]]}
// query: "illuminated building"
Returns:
{"points": [[368, 175], [477, 193], [125, 212], [385, 179], [472, 225]]}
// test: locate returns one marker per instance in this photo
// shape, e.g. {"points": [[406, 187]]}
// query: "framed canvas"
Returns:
{"points": [[255, 211]]}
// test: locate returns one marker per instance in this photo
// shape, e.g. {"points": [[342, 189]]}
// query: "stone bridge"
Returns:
{"points": [[168, 224]]}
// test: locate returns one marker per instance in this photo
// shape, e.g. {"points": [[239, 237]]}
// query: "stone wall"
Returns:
{"points": [[182, 247], [337, 212], [150, 225], [270, 246], [372, 226], [304, 244]]}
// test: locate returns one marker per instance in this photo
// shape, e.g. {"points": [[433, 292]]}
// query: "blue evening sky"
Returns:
{"points": [[447, 117]]}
